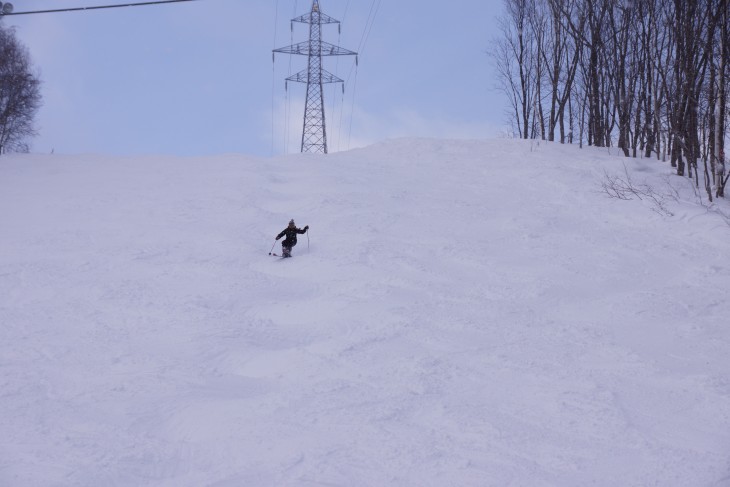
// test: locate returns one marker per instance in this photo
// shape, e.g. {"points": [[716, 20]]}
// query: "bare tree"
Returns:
{"points": [[514, 55], [649, 76], [622, 51], [20, 95], [562, 57], [717, 106], [595, 12], [652, 42], [539, 28]]}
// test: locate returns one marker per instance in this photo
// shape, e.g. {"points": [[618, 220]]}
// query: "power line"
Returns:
{"points": [[273, 78], [99, 7]]}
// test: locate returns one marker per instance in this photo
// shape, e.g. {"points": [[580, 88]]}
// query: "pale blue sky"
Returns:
{"points": [[197, 78]]}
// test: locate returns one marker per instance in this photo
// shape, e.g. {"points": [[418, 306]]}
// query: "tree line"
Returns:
{"points": [[646, 76]]}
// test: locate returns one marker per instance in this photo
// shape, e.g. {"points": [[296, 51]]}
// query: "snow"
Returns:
{"points": [[468, 313]]}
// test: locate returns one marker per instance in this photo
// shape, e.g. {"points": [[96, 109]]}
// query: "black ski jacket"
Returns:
{"points": [[291, 235]]}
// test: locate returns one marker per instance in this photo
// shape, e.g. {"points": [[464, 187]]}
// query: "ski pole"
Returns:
{"points": [[272, 247]]}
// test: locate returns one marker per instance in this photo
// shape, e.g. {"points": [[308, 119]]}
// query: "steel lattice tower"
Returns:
{"points": [[314, 134]]}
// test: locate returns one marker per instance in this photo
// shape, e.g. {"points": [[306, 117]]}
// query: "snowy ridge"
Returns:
{"points": [[471, 313]]}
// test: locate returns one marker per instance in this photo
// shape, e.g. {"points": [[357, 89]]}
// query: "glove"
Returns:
{"points": [[306, 228], [277, 238]]}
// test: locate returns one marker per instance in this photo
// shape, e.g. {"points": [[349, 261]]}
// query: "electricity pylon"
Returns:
{"points": [[314, 134]]}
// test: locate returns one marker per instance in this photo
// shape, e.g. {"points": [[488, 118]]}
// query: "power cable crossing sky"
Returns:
{"points": [[99, 7]]}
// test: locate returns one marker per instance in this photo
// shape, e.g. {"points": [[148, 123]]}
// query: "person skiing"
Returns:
{"points": [[291, 237]]}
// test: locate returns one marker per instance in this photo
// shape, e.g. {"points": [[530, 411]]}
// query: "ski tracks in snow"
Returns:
{"points": [[463, 315]]}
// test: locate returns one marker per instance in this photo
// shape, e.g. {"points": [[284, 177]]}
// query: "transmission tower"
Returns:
{"points": [[314, 134]]}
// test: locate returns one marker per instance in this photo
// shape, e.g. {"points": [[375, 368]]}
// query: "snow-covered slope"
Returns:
{"points": [[462, 313]]}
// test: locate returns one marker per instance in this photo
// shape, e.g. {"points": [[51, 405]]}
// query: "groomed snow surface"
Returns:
{"points": [[461, 313]]}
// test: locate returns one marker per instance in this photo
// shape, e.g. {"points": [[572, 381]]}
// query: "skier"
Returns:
{"points": [[291, 237]]}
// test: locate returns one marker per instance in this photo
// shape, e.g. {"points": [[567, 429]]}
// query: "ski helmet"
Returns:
{"points": [[291, 223]]}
